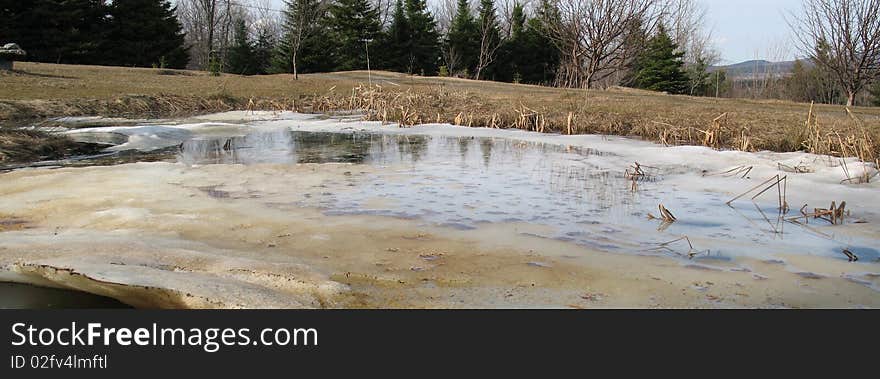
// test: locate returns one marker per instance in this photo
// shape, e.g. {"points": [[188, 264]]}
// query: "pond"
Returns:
{"points": [[545, 197]]}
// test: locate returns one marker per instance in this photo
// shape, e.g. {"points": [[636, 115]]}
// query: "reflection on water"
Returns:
{"points": [[284, 146]]}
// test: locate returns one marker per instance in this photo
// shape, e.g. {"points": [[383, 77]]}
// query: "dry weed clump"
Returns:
{"points": [[857, 143], [835, 214], [461, 107], [22, 144]]}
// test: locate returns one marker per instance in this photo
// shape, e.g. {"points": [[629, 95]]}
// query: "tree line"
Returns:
{"points": [[658, 45], [120, 33], [529, 41]]}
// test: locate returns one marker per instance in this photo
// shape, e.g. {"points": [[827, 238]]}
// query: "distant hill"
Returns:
{"points": [[748, 69]]}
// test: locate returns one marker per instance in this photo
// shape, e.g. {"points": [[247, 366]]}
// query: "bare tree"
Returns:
{"points": [[686, 22], [264, 18], [505, 10], [591, 36], [386, 11], [444, 11], [301, 21], [208, 10], [201, 20], [490, 43], [850, 32]]}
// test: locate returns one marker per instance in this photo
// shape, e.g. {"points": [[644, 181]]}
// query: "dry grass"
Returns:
{"points": [[41, 91], [21, 144]]}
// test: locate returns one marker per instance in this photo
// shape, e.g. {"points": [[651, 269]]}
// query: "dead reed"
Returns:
{"points": [[781, 185], [638, 173], [835, 214]]}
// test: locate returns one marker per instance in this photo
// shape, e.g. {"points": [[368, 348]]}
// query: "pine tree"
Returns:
{"points": [[462, 41], [542, 68], [489, 39], [393, 51], [875, 92], [263, 52], [306, 44], [660, 67], [424, 44], [528, 56], [55, 31], [352, 24], [517, 20], [633, 49], [240, 55], [144, 33]]}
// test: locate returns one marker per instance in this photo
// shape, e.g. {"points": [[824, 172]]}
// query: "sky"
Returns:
{"points": [[742, 29], [745, 29]]}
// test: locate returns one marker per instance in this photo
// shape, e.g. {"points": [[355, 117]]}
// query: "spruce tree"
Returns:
{"points": [[55, 31], [424, 45], [541, 57], [527, 56], [240, 54], [633, 49], [517, 20], [541, 69], [511, 53], [263, 51], [660, 67], [393, 50], [489, 40], [463, 40], [352, 24], [144, 33], [307, 42]]}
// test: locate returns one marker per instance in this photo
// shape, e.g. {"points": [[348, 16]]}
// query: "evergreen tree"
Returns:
{"points": [[55, 31], [489, 40], [239, 58], [633, 49], [352, 23], [393, 51], [463, 41], [660, 67], [546, 56], [307, 42], [263, 51], [528, 56], [424, 44], [875, 92], [517, 20], [144, 33]]}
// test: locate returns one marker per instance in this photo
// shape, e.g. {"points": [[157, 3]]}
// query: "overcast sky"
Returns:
{"points": [[745, 29]]}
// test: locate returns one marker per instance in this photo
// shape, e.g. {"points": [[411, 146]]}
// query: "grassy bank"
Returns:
{"points": [[41, 91]]}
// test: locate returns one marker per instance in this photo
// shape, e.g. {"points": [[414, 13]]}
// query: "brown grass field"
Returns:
{"points": [[39, 92]]}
